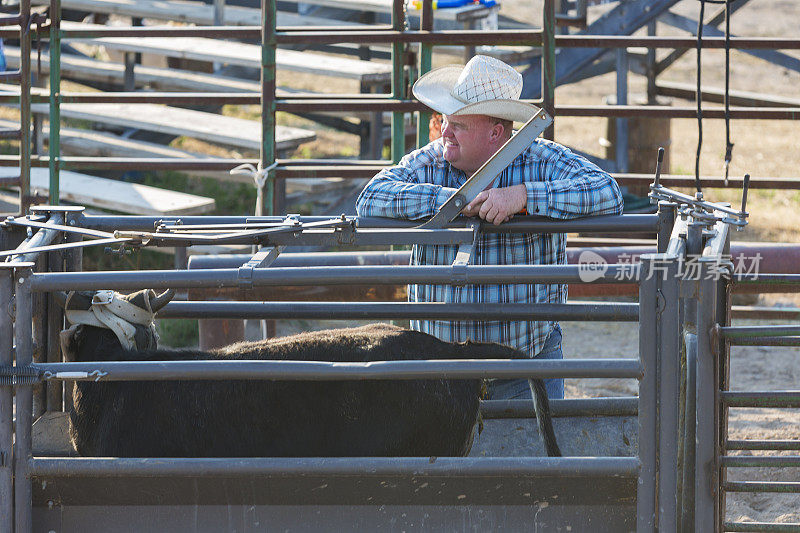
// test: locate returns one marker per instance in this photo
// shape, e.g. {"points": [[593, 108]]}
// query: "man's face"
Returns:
{"points": [[468, 141]]}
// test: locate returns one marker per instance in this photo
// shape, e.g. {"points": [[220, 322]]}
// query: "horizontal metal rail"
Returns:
{"points": [[747, 461], [678, 180], [761, 527], [600, 224], [376, 35], [305, 276], [376, 104], [734, 332], [790, 399], [765, 341], [349, 169], [763, 445], [10, 134], [334, 371], [762, 486], [574, 467], [767, 279], [612, 312], [591, 407]]}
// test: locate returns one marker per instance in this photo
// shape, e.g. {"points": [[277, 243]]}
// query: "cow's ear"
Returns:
{"points": [[70, 340], [79, 300], [140, 298]]}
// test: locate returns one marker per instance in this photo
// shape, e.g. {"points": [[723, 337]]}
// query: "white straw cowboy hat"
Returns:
{"points": [[484, 86]]}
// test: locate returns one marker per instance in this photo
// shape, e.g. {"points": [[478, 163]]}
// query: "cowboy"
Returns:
{"points": [[480, 102]]}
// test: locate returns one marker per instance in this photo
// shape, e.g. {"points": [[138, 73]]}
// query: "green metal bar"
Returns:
{"points": [[549, 64], [398, 119], [425, 63], [25, 106], [268, 45], [54, 149]]}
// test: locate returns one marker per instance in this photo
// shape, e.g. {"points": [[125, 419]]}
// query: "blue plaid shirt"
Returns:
{"points": [[560, 183]]}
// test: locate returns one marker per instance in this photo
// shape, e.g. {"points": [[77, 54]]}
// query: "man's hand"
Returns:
{"points": [[498, 205]]}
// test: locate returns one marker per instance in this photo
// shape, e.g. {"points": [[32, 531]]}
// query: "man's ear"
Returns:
{"points": [[496, 133]]}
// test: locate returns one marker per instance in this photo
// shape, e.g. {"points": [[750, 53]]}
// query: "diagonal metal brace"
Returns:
{"points": [[458, 274], [263, 258]]}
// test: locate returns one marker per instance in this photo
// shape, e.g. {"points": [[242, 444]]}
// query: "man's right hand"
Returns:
{"points": [[497, 205]]}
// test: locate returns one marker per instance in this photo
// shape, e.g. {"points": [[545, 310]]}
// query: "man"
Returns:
{"points": [[480, 102]]}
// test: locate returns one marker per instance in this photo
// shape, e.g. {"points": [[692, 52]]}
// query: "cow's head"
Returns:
{"points": [[102, 322]]}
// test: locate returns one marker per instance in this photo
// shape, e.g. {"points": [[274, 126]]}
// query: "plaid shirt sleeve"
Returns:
{"points": [[566, 185], [412, 189]]}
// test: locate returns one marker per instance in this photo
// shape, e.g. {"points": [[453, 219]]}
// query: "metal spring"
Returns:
{"points": [[15, 376]]}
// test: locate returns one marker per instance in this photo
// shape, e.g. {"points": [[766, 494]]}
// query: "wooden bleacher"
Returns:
{"points": [[210, 127], [89, 143], [113, 195], [190, 12], [368, 73]]}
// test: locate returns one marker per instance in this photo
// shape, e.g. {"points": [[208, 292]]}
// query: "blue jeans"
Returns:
{"points": [[519, 389]]}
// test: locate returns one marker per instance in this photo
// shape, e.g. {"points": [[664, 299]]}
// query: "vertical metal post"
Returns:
{"points": [[25, 106], [650, 66], [724, 351], [39, 331], [398, 92], [694, 246], [73, 262], [219, 12], [268, 46], [219, 20], [549, 65], [622, 99], [425, 56], [181, 257], [666, 221], [707, 387], [648, 395], [55, 323], [22, 444], [54, 148], [669, 392], [6, 398]]}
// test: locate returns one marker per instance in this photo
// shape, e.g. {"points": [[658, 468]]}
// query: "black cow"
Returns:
{"points": [[252, 418]]}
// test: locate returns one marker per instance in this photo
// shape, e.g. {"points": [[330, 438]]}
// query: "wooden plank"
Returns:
{"points": [[209, 127], [242, 54], [88, 143], [466, 12], [198, 13], [716, 94], [115, 195]]}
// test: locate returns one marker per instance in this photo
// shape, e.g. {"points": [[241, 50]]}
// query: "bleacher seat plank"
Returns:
{"points": [[86, 69], [238, 132], [87, 143], [242, 54], [190, 12], [115, 195], [461, 13]]}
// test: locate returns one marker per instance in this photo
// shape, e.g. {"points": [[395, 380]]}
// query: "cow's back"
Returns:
{"points": [[290, 418]]}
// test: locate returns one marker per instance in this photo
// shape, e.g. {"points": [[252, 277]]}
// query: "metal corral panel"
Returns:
{"points": [[335, 503]]}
